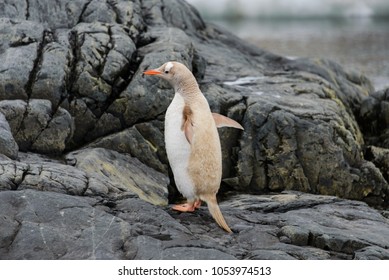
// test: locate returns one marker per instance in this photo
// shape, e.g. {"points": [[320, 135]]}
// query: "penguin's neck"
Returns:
{"points": [[189, 89]]}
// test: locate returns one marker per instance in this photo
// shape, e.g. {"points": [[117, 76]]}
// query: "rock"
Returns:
{"points": [[380, 158], [68, 13], [62, 227], [295, 235], [38, 174], [143, 141], [374, 118], [37, 126], [279, 134], [150, 249], [81, 227], [51, 80], [294, 111], [96, 173], [8, 146], [372, 253], [82, 133], [111, 170], [19, 49]]}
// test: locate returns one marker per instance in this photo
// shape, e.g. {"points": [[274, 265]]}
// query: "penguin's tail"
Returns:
{"points": [[214, 209]]}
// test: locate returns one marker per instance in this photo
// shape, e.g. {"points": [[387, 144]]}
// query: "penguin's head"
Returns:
{"points": [[173, 72]]}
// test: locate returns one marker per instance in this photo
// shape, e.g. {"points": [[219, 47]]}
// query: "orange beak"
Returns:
{"points": [[152, 72]]}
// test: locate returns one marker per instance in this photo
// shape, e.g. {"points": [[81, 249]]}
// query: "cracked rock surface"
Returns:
{"points": [[282, 226], [84, 172]]}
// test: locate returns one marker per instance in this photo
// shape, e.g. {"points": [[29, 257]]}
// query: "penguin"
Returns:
{"points": [[192, 141]]}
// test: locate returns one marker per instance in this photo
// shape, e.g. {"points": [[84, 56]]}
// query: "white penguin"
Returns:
{"points": [[192, 141]]}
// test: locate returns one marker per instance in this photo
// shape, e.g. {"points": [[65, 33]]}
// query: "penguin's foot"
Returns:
{"points": [[197, 203], [187, 207]]}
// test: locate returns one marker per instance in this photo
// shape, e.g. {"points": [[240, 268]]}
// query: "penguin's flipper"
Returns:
{"points": [[223, 121], [188, 128], [187, 125]]}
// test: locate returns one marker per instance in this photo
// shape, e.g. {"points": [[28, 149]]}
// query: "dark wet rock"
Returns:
{"points": [[38, 127], [47, 225], [143, 141], [8, 145], [372, 253], [374, 118], [82, 135], [380, 157], [43, 176], [19, 44]]}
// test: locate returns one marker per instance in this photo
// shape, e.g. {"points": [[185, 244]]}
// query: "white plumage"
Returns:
{"points": [[177, 147]]}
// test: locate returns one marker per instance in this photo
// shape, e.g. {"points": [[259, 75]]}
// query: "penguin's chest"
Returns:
{"points": [[177, 147]]}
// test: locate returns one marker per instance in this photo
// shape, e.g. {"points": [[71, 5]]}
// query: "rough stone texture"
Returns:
{"points": [[96, 172], [48, 225], [122, 173], [8, 145], [36, 126], [374, 118], [82, 135], [72, 229]]}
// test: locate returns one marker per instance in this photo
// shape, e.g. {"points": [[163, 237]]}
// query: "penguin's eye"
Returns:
{"points": [[166, 72]]}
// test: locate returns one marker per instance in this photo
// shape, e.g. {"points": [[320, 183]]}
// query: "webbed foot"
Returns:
{"points": [[187, 207]]}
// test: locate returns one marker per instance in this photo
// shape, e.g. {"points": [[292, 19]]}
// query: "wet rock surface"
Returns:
{"points": [[84, 173], [49, 225]]}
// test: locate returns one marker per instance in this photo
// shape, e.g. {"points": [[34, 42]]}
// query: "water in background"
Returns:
{"points": [[357, 44], [353, 33]]}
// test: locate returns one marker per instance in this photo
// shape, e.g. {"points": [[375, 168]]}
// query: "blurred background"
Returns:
{"points": [[354, 33]]}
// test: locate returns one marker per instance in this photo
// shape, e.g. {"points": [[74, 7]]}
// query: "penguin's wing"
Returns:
{"points": [[223, 121], [188, 128], [187, 125]]}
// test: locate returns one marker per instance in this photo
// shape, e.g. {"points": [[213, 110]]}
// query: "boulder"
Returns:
{"points": [[82, 135]]}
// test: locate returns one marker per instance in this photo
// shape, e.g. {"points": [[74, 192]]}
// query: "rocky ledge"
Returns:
{"points": [[84, 173]]}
